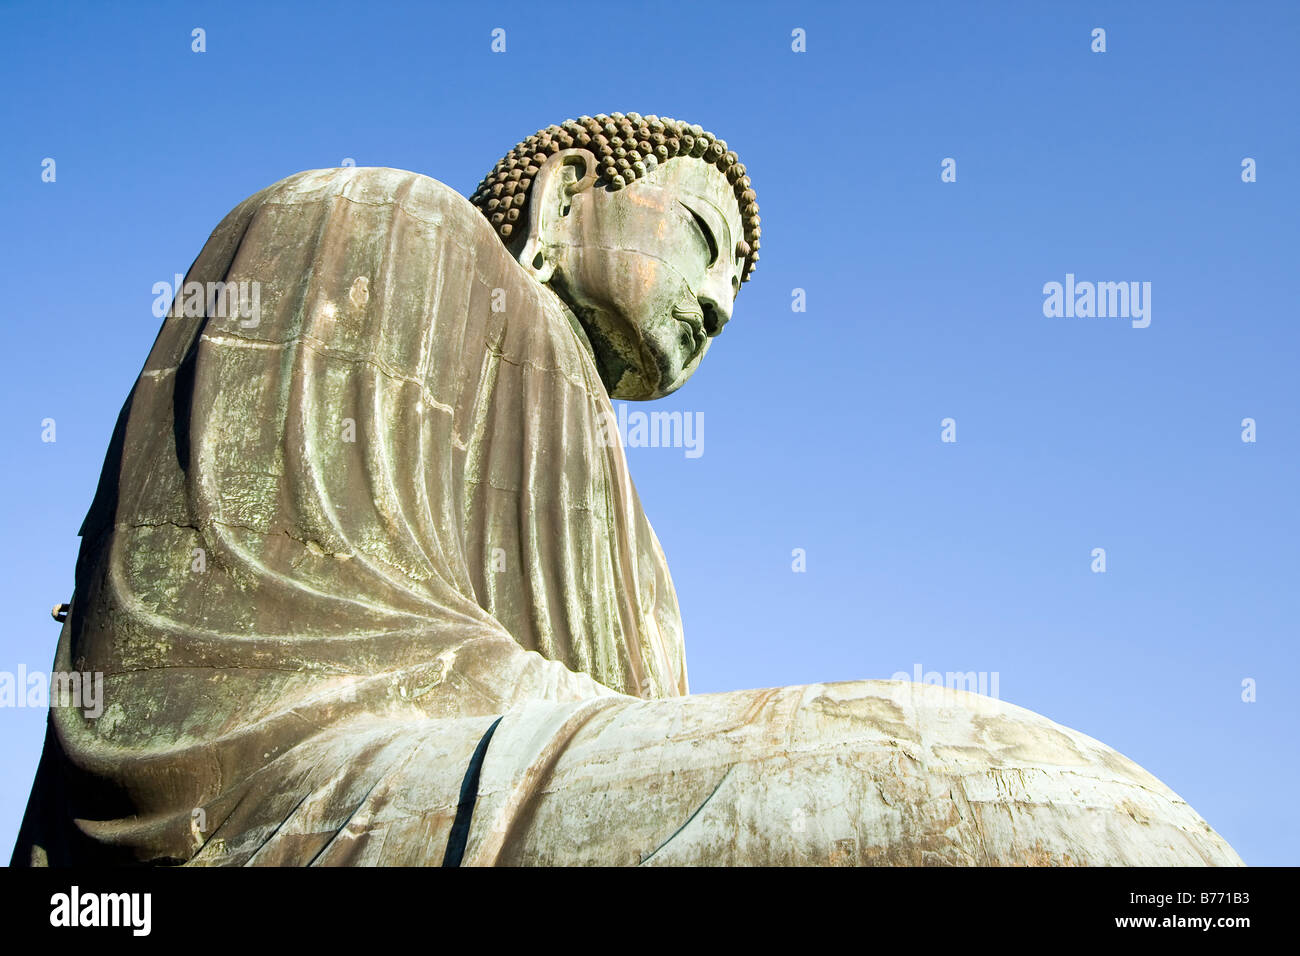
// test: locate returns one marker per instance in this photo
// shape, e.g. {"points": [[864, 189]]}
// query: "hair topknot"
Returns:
{"points": [[626, 147]]}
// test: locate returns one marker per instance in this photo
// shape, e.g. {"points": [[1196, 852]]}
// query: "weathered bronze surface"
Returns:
{"points": [[378, 543]]}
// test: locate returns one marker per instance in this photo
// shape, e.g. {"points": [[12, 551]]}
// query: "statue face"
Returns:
{"points": [[650, 270]]}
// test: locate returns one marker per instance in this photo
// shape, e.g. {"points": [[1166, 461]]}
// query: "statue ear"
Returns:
{"points": [[562, 176]]}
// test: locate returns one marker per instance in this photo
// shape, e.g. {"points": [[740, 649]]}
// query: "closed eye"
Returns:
{"points": [[708, 233]]}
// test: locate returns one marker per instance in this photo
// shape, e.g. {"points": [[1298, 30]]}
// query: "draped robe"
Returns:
{"points": [[368, 582], [394, 482]]}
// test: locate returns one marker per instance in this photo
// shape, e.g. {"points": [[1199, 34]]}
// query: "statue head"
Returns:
{"points": [[645, 227]]}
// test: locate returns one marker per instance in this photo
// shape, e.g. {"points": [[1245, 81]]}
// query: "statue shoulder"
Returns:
{"points": [[420, 196]]}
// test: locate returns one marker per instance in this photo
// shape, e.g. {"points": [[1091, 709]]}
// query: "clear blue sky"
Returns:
{"points": [[822, 429]]}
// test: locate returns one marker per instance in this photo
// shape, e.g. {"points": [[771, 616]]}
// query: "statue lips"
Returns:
{"points": [[692, 316]]}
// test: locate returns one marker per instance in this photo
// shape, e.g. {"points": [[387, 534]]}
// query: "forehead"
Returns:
{"points": [[694, 179]]}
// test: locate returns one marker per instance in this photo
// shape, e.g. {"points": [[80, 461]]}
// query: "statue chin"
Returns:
{"points": [[641, 379], [687, 371], [634, 386]]}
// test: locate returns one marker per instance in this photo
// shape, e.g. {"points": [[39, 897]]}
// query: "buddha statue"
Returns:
{"points": [[368, 581]]}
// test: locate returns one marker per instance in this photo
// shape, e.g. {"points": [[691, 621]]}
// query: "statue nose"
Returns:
{"points": [[715, 297], [715, 317]]}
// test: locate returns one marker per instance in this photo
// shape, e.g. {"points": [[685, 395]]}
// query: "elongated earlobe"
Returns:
{"points": [[535, 261], [563, 175]]}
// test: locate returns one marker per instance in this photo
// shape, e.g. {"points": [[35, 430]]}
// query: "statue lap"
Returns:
{"points": [[854, 773]]}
